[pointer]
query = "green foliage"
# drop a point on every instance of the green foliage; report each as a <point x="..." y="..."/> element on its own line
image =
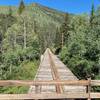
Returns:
<point x="27" y="70"/>
<point x="82" y="52"/>
<point x="64" y="30"/>
<point x="14" y="90"/>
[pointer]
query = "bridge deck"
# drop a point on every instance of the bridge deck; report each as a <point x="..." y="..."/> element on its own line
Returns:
<point x="51" y="68"/>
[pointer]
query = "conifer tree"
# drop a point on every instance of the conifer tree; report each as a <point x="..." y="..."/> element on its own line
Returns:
<point x="21" y="7"/>
<point x="64" y="29"/>
<point x="58" y="41"/>
<point x="92" y="15"/>
<point x="10" y="11"/>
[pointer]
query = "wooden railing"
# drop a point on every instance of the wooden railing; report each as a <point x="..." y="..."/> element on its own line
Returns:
<point x="88" y="95"/>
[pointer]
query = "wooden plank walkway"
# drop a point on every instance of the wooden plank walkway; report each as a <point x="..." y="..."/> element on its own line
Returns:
<point x="51" y="68"/>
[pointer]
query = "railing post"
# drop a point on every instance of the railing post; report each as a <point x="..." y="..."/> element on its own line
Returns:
<point x="37" y="89"/>
<point x="89" y="89"/>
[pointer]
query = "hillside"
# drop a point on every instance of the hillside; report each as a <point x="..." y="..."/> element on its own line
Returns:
<point x="42" y="14"/>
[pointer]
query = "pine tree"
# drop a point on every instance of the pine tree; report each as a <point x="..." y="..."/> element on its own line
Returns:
<point x="21" y="7"/>
<point x="10" y="11"/>
<point x="92" y="15"/>
<point x="58" y="41"/>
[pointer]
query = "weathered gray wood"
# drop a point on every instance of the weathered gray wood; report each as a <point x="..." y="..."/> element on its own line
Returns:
<point x="40" y="96"/>
<point x="42" y="82"/>
<point x="95" y="95"/>
<point x="48" y="96"/>
<point x="95" y="82"/>
<point x="50" y="67"/>
<point x="89" y="89"/>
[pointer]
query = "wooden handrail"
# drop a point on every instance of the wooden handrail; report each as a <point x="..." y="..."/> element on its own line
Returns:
<point x="55" y="73"/>
<point x="87" y="95"/>
<point x="28" y="83"/>
<point x="95" y="82"/>
<point x="31" y="82"/>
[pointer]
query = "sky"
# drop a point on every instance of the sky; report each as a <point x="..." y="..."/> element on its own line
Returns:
<point x="71" y="6"/>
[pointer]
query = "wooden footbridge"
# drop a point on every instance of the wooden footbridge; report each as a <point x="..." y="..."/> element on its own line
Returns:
<point x="53" y="81"/>
<point x="52" y="69"/>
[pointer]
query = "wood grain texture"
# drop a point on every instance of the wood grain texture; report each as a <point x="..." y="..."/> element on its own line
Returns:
<point x="40" y="96"/>
<point x="49" y="82"/>
<point x="51" y="68"/>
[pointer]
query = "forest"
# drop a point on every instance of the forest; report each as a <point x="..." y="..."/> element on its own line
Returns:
<point x="27" y="30"/>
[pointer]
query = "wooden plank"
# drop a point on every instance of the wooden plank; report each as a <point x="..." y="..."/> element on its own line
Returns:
<point x="89" y="89"/>
<point x="51" y="82"/>
<point x="15" y="82"/>
<point x="55" y="74"/>
<point x="47" y="96"/>
<point x="95" y="82"/>
<point x="42" y="96"/>
<point x="95" y="95"/>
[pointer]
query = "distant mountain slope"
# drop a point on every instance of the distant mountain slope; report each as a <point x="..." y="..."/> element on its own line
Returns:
<point x="41" y="14"/>
<point x="5" y="9"/>
<point x="44" y="14"/>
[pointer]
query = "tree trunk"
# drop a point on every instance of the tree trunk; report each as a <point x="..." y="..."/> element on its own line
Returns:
<point x="62" y="36"/>
<point x="10" y="70"/>
<point x="14" y="41"/>
<point x="1" y="43"/>
<point x="24" y="34"/>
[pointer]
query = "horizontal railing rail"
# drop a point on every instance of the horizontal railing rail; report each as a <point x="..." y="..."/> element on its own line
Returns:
<point x="28" y="82"/>
<point x="88" y="95"/>
<point x="51" y="82"/>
